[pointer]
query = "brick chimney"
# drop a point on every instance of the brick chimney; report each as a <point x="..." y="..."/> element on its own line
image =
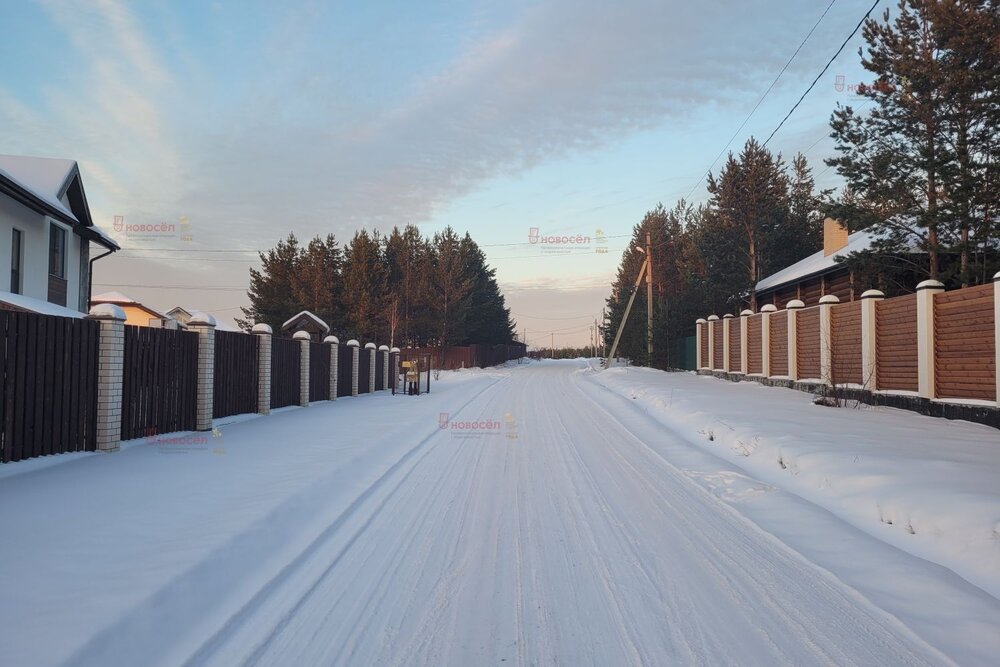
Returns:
<point x="834" y="236"/>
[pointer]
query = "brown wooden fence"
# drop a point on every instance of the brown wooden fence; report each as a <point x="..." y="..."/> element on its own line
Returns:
<point x="964" y="344"/>
<point x="735" y="340"/>
<point x="807" y="353"/>
<point x="159" y="381"/>
<point x="703" y="352"/>
<point x="319" y="372"/>
<point x="285" y="372"/>
<point x="364" y="369"/>
<point x="234" y="378"/>
<point x="379" y="370"/>
<point x="755" y="360"/>
<point x="453" y="357"/>
<point x="846" y="332"/>
<point x="345" y="370"/>
<point x="896" y="343"/>
<point x="779" y="343"/>
<point x="717" y="344"/>
<point x="48" y="385"/>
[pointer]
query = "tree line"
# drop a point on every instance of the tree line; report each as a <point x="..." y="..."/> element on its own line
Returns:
<point x="402" y="288"/>
<point x="920" y="170"/>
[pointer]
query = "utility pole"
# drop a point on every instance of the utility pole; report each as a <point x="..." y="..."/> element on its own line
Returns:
<point x="628" y="309"/>
<point x="649" y="301"/>
<point x="553" y="345"/>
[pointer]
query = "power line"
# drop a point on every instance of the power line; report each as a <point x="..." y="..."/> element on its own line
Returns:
<point x="823" y="71"/>
<point x="536" y="317"/>
<point x="178" y="287"/>
<point x="761" y="100"/>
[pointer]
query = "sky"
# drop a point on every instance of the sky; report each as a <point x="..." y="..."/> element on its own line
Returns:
<point x="229" y="124"/>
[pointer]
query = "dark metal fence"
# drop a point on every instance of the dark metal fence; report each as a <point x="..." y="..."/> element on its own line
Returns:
<point x="48" y="385"/>
<point x="319" y="372"/>
<point x="379" y="370"/>
<point x="452" y="357"/>
<point x="159" y="382"/>
<point x="364" y="367"/>
<point x="285" y="354"/>
<point x="345" y="367"/>
<point x="235" y="376"/>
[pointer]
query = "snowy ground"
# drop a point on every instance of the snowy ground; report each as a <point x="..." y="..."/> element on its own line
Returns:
<point x="563" y="516"/>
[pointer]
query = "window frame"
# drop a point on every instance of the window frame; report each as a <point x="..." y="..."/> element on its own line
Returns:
<point x="64" y="235"/>
<point x="17" y="261"/>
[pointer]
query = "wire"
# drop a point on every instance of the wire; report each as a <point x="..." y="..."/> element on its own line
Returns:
<point x="766" y="92"/>
<point x="180" y="287"/>
<point x="536" y="317"/>
<point x="823" y="71"/>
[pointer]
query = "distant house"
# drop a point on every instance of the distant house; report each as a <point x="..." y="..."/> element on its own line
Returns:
<point x="136" y="313"/>
<point x="45" y="235"/>
<point x="182" y="315"/>
<point x="306" y="321"/>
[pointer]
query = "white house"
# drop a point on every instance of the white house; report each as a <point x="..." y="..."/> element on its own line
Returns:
<point x="45" y="235"/>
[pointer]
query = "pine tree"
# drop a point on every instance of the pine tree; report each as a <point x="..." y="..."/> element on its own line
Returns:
<point x="364" y="289"/>
<point x="316" y="281"/>
<point x="272" y="300"/>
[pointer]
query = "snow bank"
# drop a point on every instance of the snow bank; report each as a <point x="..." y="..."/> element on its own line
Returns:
<point x="925" y="485"/>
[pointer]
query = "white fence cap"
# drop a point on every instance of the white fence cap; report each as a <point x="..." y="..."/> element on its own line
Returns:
<point x="261" y="328"/>
<point x="873" y="294"/>
<point x="353" y="343"/>
<point x="301" y="335"/>
<point x="768" y="308"/>
<point x="795" y="303"/>
<point x="394" y="350"/>
<point x="106" y="311"/>
<point x="829" y="298"/>
<point x="930" y="284"/>
<point x="203" y="319"/>
<point x="713" y="318"/>
<point x="369" y="346"/>
<point x="383" y="348"/>
<point x="331" y="339"/>
<point x="746" y="311"/>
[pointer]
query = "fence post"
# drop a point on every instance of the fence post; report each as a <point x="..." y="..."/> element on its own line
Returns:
<point x="765" y="338"/>
<point x="204" y="326"/>
<point x="394" y="355"/>
<point x="384" y="351"/>
<point x="869" y="339"/>
<point x="110" y="365"/>
<point x="263" y="333"/>
<point x="713" y="321"/>
<point x="792" y="308"/>
<point x="925" y="336"/>
<point x="354" y="345"/>
<point x="699" y="341"/>
<point x="333" y="342"/>
<point x="727" y="322"/>
<point x="826" y="337"/>
<point x="370" y="351"/>
<point x="744" y="337"/>
<point x="996" y="333"/>
<point x="304" y="339"/>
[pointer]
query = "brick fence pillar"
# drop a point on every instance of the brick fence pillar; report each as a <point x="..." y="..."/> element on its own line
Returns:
<point x="744" y="337"/>
<point x="869" y="339"/>
<point x="355" y="356"/>
<point x="713" y="322"/>
<point x="204" y="326"/>
<point x="826" y="337"/>
<point x="727" y="322"/>
<point x="370" y="350"/>
<point x="394" y="359"/>
<point x="925" y="336"/>
<point x="334" y="343"/>
<point x="384" y="351"/>
<point x="699" y="341"/>
<point x="996" y="332"/>
<point x="304" y="339"/>
<point x="792" y="309"/>
<point x="263" y="333"/>
<point x="110" y="365"/>
<point x="765" y="338"/>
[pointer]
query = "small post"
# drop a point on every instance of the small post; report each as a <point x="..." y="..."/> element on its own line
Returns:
<point x="384" y="351"/>
<point x="110" y="367"/>
<point x="793" y="307"/>
<point x="765" y="338"/>
<point x="333" y="342"/>
<point x="394" y="358"/>
<point x="699" y="341"/>
<point x="204" y="326"/>
<point x="713" y="321"/>
<point x="727" y="321"/>
<point x="925" y="336"/>
<point x="869" y="339"/>
<point x="355" y="357"/>
<point x="263" y="333"/>
<point x="370" y="350"/>
<point x="304" y="338"/>
<point x="826" y="337"/>
<point x="744" y="337"/>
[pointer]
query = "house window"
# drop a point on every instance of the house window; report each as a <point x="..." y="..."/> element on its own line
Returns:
<point x="57" y="251"/>
<point x="16" y="261"/>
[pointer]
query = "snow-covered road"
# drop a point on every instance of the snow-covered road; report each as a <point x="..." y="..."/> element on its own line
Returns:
<point x="537" y="527"/>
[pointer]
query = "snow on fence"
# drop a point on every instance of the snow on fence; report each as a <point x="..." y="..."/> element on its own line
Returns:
<point x="48" y="385"/>
<point x="933" y="344"/>
<point x="159" y="381"/>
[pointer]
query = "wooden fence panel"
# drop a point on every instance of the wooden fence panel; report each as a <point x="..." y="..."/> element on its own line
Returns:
<point x="703" y="350"/>
<point x="896" y="343"/>
<point x="345" y="370"/>
<point x="755" y="359"/>
<point x="285" y="372"/>
<point x="964" y="344"/>
<point x="364" y="366"/>
<point x="734" y="344"/>
<point x="319" y="372"/>
<point x="717" y="345"/>
<point x="379" y="370"/>
<point x="807" y="352"/>
<point x="160" y="384"/>
<point x="48" y="385"/>
<point x="234" y="378"/>
<point x="846" y="354"/>
<point x="779" y="344"/>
